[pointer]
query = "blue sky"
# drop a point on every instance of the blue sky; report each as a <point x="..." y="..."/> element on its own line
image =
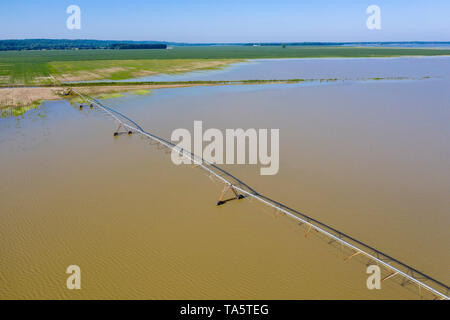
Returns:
<point x="227" y="20"/>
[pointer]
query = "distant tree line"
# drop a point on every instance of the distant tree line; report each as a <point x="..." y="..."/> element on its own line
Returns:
<point x="66" y="44"/>
<point x="56" y="44"/>
<point x="137" y="46"/>
<point x="284" y="44"/>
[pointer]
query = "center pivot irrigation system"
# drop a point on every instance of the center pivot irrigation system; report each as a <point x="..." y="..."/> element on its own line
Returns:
<point x="404" y="275"/>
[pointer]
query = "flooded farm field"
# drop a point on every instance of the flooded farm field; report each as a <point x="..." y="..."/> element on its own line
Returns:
<point x="370" y="158"/>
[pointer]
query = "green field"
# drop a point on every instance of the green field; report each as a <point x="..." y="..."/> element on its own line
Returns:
<point x="35" y="67"/>
<point x="126" y="69"/>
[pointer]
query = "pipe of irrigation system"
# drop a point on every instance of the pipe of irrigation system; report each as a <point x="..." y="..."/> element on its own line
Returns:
<point x="357" y="246"/>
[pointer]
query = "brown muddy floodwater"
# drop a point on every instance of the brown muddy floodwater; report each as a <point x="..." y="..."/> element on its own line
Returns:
<point x="369" y="158"/>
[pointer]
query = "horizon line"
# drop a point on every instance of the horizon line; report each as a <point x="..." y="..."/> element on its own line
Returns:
<point x="236" y="43"/>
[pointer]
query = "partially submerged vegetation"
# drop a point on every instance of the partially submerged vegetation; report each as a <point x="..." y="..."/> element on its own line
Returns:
<point x="42" y="67"/>
<point x="18" y="111"/>
<point x="23" y="97"/>
<point x="44" y="70"/>
<point x="104" y="93"/>
<point x="111" y="95"/>
<point x="141" y="92"/>
<point x="126" y="69"/>
<point x="168" y="84"/>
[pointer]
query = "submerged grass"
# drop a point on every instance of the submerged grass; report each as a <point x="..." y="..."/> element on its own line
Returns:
<point x="104" y="96"/>
<point x="141" y="92"/>
<point x="75" y="99"/>
<point x="15" y="112"/>
<point x="109" y="90"/>
<point x="177" y="83"/>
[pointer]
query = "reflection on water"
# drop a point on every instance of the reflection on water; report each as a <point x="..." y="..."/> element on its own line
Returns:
<point x="370" y="159"/>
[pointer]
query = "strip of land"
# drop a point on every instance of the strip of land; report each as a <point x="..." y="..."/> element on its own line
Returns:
<point x="21" y="97"/>
<point x="16" y="97"/>
<point x="25" y="96"/>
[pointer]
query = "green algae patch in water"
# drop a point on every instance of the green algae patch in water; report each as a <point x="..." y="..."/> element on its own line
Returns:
<point x="105" y="96"/>
<point x="15" y="112"/>
<point x="141" y="92"/>
<point x="76" y="100"/>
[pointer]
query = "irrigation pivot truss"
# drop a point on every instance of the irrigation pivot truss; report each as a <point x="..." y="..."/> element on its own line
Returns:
<point x="393" y="270"/>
